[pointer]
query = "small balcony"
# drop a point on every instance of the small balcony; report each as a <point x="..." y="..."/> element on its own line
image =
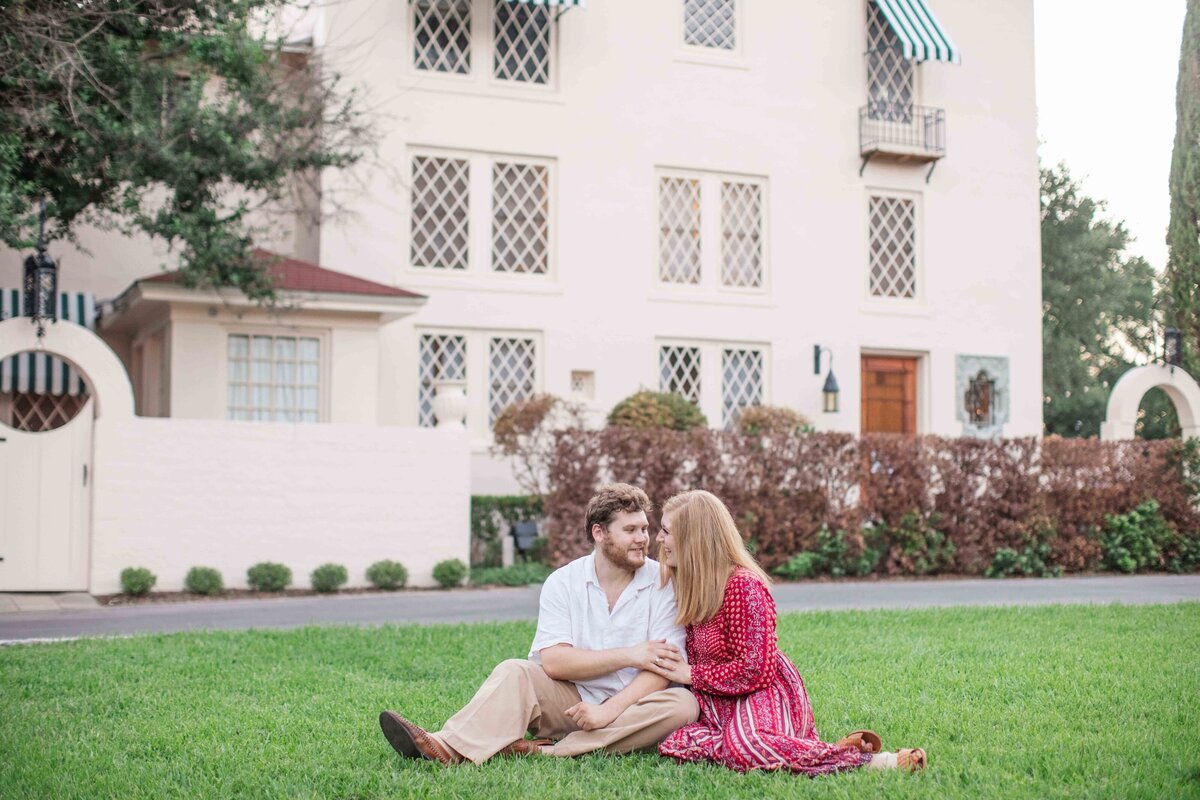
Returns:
<point x="901" y="132"/>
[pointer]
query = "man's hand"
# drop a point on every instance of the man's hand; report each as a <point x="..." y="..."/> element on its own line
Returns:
<point x="654" y="654"/>
<point x="590" y="717"/>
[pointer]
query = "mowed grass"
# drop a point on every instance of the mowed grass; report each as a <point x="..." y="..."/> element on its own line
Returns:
<point x="1039" y="702"/>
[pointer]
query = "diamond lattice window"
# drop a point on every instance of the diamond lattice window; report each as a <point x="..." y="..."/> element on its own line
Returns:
<point x="710" y="23"/>
<point x="442" y="35"/>
<point x="440" y="212"/>
<point x="741" y="234"/>
<point x="679" y="230"/>
<point x="522" y="36"/>
<point x="893" y="235"/>
<point x="679" y="371"/>
<point x="741" y="383"/>
<point x="274" y="378"/>
<point x="443" y="357"/>
<point x="890" y="75"/>
<point x="511" y="373"/>
<point x="36" y="412"/>
<point x="520" y="218"/>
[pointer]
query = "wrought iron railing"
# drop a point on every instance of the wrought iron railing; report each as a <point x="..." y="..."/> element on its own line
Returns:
<point x="901" y="127"/>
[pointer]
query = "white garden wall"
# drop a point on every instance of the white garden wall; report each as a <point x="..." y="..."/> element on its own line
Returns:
<point x="171" y="494"/>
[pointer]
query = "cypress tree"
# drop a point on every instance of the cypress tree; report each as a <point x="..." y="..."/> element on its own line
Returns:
<point x="1183" y="233"/>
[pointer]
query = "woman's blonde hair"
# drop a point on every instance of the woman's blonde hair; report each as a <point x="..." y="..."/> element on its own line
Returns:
<point x="708" y="548"/>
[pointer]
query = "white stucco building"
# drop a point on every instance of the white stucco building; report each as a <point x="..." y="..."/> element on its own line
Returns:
<point x="686" y="195"/>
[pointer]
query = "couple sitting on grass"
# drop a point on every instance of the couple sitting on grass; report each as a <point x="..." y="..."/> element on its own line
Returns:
<point x="632" y="657"/>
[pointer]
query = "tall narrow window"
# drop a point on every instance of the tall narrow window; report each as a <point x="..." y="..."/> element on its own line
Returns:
<point x="512" y="373"/>
<point x="442" y="35"/>
<point x="710" y="23"/>
<point x="741" y="234"/>
<point x="679" y="230"/>
<point x="520" y="218"/>
<point x="440" y="212"/>
<point x="893" y="246"/>
<point x="442" y="358"/>
<point x="274" y="378"/>
<point x="522" y="42"/>
<point x="741" y="383"/>
<point x="981" y="400"/>
<point x="679" y="371"/>
<point x="890" y="76"/>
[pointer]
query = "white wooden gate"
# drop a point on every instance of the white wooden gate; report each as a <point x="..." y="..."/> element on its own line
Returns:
<point x="45" y="506"/>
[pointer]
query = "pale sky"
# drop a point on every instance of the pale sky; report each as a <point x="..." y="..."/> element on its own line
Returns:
<point x="1106" y="72"/>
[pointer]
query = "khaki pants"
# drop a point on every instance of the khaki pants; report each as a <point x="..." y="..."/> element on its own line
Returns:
<point x="519" y="696"/>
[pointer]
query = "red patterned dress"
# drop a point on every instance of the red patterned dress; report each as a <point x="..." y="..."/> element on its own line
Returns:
<point x="754" y="711"/>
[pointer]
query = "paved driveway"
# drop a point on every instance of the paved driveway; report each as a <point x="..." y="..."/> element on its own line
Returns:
<point x="479" y="605"/>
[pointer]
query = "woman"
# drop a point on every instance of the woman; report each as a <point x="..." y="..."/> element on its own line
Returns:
<point x="754" y="711"/>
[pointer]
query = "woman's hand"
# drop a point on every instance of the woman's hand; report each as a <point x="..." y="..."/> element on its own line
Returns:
<point x="643" y="656"/>
<point x="676" y="671"/>
<point x="590" y="717"/>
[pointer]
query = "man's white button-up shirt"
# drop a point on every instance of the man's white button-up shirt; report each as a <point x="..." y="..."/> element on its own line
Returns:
<point x="574" y="610"/>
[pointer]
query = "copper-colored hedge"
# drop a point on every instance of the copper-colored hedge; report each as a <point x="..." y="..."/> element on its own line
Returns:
<point x="783" y="489"/>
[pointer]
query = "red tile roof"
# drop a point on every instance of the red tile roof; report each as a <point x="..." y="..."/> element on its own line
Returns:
<point x="293" y="275"/>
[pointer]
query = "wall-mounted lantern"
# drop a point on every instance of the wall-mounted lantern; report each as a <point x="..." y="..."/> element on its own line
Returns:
<point x="829" y="392"/>
<point x="41" y="282"/>
<point x="1173" y="346"/>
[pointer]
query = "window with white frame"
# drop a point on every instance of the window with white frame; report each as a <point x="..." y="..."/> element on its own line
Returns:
<point x="441" y="35"/>
<point x="458" y="224"/>
<point x="893" y="247"/>
<point x="274" y="378"/>
<point x="697" y="210"/>
<point x="520" y="217"/>
<point x="512" y="372"/>
<point x="710" y="23"/>
<point x="442" y="357"/>
<point x="891" y="78"/>
<point x="440" y="213"/>
<point x="679" y="371"/>
<point x="522" y="43"/>
<point x="742" y="382"/>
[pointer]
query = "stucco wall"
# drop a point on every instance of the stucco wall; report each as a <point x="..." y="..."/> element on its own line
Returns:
<point x="171" y="494"/>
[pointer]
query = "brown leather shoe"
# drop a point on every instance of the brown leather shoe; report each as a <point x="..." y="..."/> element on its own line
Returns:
<point x="864" y="741"/>
<point x="524" y="747"/>
<point x="412" y="741"/>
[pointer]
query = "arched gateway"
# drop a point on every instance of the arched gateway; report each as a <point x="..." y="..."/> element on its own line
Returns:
<point x="45" y="485"/>
<point x="1129" y="390"/>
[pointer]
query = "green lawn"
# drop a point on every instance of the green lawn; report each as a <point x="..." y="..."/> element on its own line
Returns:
<point x="1039" y="703"/>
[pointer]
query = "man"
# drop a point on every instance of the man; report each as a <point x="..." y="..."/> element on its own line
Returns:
<point x="603" y="622"/>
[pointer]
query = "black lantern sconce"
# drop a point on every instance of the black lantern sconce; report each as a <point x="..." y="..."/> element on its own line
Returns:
<point x="1173" y="346"/>
<point x="829" y="392"/>
<point x="41" y="282"/>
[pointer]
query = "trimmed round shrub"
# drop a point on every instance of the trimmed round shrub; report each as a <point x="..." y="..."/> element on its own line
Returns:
<point x="647" y="409"/>
<point x="329" y="577"/>
<point x="267" y="576"/>
<point x="450" y="572"/>
<point x="387" y="575"/>
<point x="137" y="581"/>
<point x="772" y="421"/>
<point x="203" y="580"/>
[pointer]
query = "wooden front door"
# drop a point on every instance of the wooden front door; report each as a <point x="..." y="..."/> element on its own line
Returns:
<point x="889" y="395"/>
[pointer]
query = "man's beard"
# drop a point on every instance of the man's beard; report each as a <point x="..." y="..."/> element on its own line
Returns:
<point x="621" y="557"/>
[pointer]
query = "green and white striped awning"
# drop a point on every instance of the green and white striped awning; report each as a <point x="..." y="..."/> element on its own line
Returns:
<point x="39" y="373"/>
<point x="920" y="33"/>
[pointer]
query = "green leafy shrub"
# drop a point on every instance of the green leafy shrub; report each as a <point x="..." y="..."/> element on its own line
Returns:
<point x="799" y="566"/>
<point x="772" y="421"/>
<point x="387" y="575"/>
<point x="917" y="547"/>
<point x="203" y="580"/>
<point x="329" y="577"/>
<point x="1032" y="561"/>
<point x="450" y="572"/>
<point x="514" y="575"/>
<point x="137" y="581"/>
<point x="1135" y="541"/>
<point x="267" y="576"/>
<point x="647" y="409"/>
<point x="840" y="553"/>
<point x="1186" y="557"/>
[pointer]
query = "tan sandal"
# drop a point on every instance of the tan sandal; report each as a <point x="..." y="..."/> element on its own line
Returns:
<point x="911" y="759"/>
<point x="864" y="741"/>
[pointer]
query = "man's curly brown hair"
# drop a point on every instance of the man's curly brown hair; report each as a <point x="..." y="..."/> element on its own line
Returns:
<point x="611" y="500"/>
